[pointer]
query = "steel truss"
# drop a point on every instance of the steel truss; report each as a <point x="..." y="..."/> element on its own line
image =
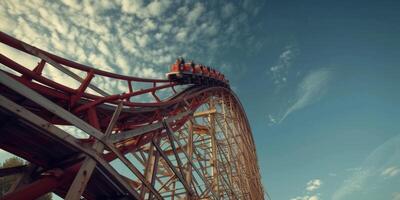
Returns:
<point x="196" y="143"/>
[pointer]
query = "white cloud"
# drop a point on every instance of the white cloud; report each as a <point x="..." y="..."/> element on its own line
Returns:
<point x="314" y="197"/>
<point x="396" y="196"/>
<point x="391" y="171"/>
<point x="22" y="58"/>
<point x="311" y="89"/>
<point x="194" y="15"/>
<point x="131" y="6"/>
<point x="379" y="161"/>
<point x="166" y="28"/>
<point x="100" y="61"/>
<point x="352" y="184"/>
<point x="280" y="71"/>
<point x="313" y="185"/>
<point x="182" y="35"/>
<point x="354" y="169"/>
<point x="153" y="9"/>
<point x="227" y="10"/>
<point x="157" y="8"/>
<point x="147" y="36"/>
<point x="103" y="48"/>
<point x="73" y="4"/>
<point x="149" y="25"/>
<point x="122" y="62"/>
<point x="142" y="40"/>
<point x="212" y="30"/>
<point x="4" y="155"/>
<point x="272" y="119"/>
<point x="146" y="72"/>
<point x="332" y="174"/>
<point x="8" y="24"/>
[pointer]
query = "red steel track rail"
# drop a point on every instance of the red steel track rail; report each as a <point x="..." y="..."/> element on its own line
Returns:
<point x="155" y="140"/>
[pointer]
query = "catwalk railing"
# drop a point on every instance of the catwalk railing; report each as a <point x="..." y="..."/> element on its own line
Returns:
<point x="92" y="134"/>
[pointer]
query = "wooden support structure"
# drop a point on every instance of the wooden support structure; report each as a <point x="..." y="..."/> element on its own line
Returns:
<point x="194" y="144"/>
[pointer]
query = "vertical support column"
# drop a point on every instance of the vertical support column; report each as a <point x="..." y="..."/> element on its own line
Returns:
<point x="173" y="190"/>
<point x="155" y="170"/>
<point x="82" y="177"/>
<point x="150" y="171"/>
<point x="227" y="138"/>
<point x="189" y="150"/>
<point x="180" y="174"/>
<point x="214" y="150"/>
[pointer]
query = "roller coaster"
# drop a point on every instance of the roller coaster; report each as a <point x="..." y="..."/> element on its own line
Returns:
<point x="185" y="137"/>
<point x="187" y="73"/>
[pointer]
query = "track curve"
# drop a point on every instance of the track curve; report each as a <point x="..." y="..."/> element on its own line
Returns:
<point x="158" y="140"/>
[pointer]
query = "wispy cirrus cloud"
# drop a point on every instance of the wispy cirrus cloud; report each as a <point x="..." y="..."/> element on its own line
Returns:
<point x="379" y="166"/>
<point x="306" y="197"/>
<point x="396" y="196"/>
<point x="309" y="90"/>
<point x="391" y="171"/>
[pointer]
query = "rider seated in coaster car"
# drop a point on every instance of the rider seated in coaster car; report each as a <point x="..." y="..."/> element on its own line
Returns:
<point x="222" y="77"/>
<point x="213" y="73"/>
<point x="198" y="69"/>
<point x="217" y="75"/>
<point x="187" y="68"/>
<point x="206" y="71"/>
<point x="176" y="65"/>
<point x="192" y="65"/>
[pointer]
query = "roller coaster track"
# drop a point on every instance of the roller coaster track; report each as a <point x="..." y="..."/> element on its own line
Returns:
<point x="149" y="139"/>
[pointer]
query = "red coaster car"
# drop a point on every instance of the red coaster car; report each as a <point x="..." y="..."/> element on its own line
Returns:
<point x="198" y="74"/>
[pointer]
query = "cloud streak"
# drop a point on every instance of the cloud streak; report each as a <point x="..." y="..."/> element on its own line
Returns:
<point x="380" y="165"/>
<point x="391" y="171"/>
<point x="310" y="90"/>
<point x="396" y="196"/>
<point x="313" y="197"/>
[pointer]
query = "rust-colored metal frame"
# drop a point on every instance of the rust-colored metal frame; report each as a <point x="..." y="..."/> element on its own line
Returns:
<point x="195" y="144"/>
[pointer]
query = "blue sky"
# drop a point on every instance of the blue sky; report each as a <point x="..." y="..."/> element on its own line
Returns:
<point x="319" y="79"/>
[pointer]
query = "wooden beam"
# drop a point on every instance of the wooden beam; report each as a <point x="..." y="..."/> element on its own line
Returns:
<point x="83" y="176"/>
<point x="179" y="162"/>
<point x="145" y="129"/>
<point x="12" y="170"/>
<point x="205" y="113"/>
<point x="190" y="161"/>
<point x="66" y="138"/>
<point x="59" y="111"/>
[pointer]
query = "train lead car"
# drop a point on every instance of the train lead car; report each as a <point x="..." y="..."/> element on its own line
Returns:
<point x="191" y="73"/>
